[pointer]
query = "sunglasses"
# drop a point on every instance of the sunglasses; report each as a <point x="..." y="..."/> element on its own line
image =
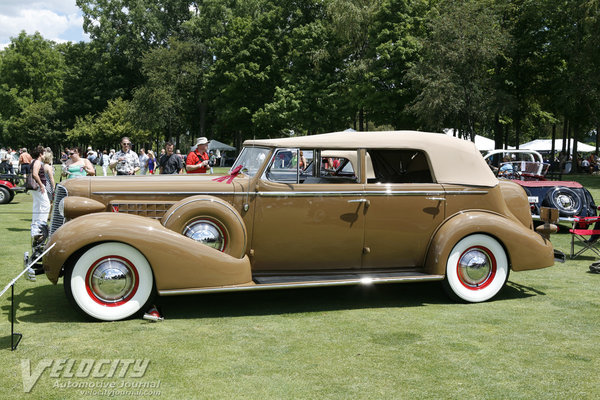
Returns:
<point x="126" y="144"/>
<point x="71" y="153"/>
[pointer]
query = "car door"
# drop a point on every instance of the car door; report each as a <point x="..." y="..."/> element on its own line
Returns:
<point x="305" y="221"/>
<point x="405" y="207"/>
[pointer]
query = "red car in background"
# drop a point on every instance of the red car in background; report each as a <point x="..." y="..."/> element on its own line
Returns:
<point x="10" y="184"/>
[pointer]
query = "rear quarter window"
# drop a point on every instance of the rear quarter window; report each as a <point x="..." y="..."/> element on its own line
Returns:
<point x="400" y="166"/>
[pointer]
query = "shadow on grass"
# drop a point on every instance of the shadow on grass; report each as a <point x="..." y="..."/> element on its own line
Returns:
<point x="305" y="300"/>
<point x="514" y="290"/>
<point x="5" y="342"/>
<point x="48" y="303"/>
<point x="17" y="229"/>
<point x="40" y="304"/>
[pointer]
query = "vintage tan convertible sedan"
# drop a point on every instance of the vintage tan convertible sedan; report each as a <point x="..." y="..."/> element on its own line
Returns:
<point x="334" y="209"/>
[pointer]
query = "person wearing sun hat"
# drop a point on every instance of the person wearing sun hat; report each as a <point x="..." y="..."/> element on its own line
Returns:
<point x="198" y="160"/>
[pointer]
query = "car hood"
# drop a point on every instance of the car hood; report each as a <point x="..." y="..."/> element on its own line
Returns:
<point x="158" y="187"/>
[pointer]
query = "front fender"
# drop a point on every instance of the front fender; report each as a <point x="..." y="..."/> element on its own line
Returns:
<point x="177" y="261"/>
<point x="525" y="248"/>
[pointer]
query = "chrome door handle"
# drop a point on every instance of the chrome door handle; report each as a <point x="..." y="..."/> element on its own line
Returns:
<point x="366" y="201"/>
<point x="436" y="198"/>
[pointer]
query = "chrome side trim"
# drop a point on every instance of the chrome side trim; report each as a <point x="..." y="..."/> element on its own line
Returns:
<point x="364" y="281"/>
<point x="166" y="193"/>
<point x="372" y="193"/>
<point x="304" y="194"/>
<point x="459" y="192"/>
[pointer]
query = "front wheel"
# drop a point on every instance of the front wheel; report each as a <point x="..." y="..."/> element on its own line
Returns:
<point x="5" y="195"/>
<point x="476" y="270"/>
<point x="109" y="282"/>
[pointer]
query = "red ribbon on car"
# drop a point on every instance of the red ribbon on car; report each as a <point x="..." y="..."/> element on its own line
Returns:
<point x="229" y="178"/>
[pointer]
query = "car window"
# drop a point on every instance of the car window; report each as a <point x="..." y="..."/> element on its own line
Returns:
<point x="284" y="166"/>
<point x="252" y="159"/>
<point x="400" y="166"/>
<point x="332" y="166"/>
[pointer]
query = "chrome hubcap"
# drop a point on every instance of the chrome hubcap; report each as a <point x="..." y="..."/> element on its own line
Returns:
<point x="475" y="267"/>
<point x="565" y="201"/>
<point x="206" y="232"/>
<point x="112" y="280"/>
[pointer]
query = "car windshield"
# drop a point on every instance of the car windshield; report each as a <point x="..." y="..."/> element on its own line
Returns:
<point x="252" y="158"/>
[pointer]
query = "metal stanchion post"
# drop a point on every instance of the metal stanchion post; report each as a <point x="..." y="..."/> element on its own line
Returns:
<point x="13" y="345"/>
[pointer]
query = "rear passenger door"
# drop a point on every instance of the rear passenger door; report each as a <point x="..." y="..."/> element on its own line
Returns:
<point x="405" y="206"/>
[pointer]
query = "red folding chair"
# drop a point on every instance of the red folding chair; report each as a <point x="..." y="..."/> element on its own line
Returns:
<point x="584" y="232"/>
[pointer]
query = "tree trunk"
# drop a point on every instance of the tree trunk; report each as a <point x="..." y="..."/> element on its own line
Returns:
<point x="575" y="165"/>
<point x="239" y="139"/>
<point x="553" y="149"/>
<point x="517" y="131"/>
<point x="597" y="139"/>
<point x="497" y="132"/>
<point x="565" y="135"/>
<point x="361" y="118"/>
<point x="569" y="130"/>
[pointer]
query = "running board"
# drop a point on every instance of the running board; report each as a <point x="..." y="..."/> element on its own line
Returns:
<point x="307" y="281"/>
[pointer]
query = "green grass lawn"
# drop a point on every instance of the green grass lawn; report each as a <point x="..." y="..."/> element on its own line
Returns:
<point x="538" y="339"/>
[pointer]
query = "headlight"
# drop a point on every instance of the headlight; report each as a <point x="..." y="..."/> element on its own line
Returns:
<point x="61" y="208"/>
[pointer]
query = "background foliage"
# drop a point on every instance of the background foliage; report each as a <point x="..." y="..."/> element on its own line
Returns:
<point x="235" y="69"/>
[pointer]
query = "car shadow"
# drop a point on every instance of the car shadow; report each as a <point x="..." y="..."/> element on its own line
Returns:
<point x="48" y="303"/>
<point x="306" y="300"/>
<point x="300" y="300"/>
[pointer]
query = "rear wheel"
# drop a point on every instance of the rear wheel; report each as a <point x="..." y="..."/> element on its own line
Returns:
<point x="477" y="269"/>
<point x="109" y="282"/>
<point x="5" y="195"/>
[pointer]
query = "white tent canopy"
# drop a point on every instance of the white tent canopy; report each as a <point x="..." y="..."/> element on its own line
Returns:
<point x="216" y="145"/>
<point x="546" y="145"/>
<point x="482" y="143"/>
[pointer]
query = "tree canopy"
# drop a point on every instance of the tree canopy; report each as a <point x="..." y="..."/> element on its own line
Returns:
<point x="236" y="69"/>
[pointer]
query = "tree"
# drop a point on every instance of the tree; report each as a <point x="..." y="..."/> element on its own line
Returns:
<point x="108" y="127"/>
<point x="125" y="29"/>
<point x="453" y="75"/>
<point x="172" y="102"/>
<point x="395" y="47"/>
<point x="31" y="90"/>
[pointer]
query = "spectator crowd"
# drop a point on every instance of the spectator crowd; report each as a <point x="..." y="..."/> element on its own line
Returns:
<point x="38" y="167"/>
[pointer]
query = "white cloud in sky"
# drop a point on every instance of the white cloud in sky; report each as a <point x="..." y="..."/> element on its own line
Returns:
<point x="57" y="20"/>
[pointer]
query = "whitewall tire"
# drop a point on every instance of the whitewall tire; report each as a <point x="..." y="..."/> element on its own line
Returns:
<point x="110" y="281"/>
<point x="477" y="269"/>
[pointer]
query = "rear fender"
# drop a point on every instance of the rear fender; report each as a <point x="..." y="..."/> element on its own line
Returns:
<point x="525" y="248"/>
<point x="177" y="261"/>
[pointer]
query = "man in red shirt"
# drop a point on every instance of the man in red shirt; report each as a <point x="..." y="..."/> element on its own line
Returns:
<point x="197" y="161"/>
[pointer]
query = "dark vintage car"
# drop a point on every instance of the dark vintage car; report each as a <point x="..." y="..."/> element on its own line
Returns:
<point x="527" y="168"/>
<point x="341" y="208"/>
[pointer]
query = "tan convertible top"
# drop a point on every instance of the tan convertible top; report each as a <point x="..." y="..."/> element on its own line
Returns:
<point x="454" y="161"/>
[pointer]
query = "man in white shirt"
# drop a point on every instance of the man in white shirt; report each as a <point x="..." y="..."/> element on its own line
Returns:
<point x="143" y="162"/>
<point x="125" y="161"/>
